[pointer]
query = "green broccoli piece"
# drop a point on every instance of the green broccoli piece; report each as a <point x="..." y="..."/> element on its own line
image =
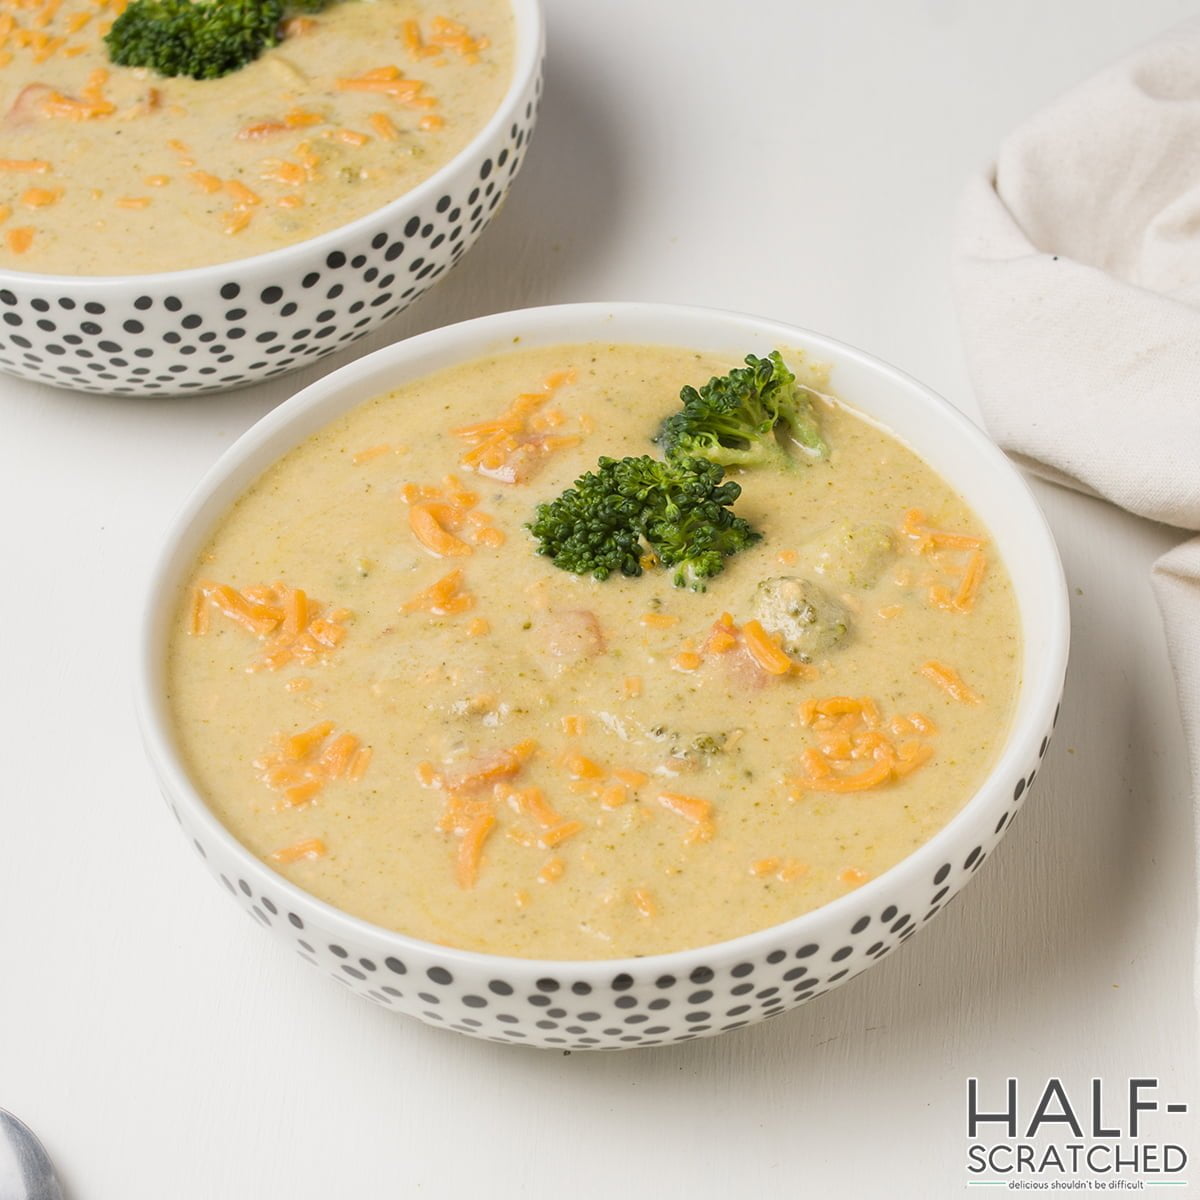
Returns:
<point x="205" y="39"/>
<point x="678" y="509"/>
<point x="736" y="419"/>
<point x="807" y="618"/>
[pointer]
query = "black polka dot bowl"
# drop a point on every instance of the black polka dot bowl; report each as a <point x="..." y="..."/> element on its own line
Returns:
<point x="209" y="329"/>
<point x="655" y="1000"/>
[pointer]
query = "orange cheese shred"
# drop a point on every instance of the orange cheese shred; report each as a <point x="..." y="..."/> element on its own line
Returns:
<point x="533" y="802"/>
<point x="510" y="448"/>
<point x="964" y="598"/>
<point x="335" y="759"/>
<point x="949" y="680"/>
<point x="634" y="779"/>
<point x="693" y="809"/>
<point x="205" y="182"/>
<point x="298" y="766"/>
<point x="501" y="764"/>
<point x="41" y="197"/>
<point x="301" y="745"/>
<point x="388" y="81"/>
<point x="582" y="767"/>
<point x="614" y="796"/>
<point x="359" y="763"/>
<point x="279" y="170"/>
<point x="438" y="513"/>
<point x="559" y="834"/>
<point x="765" y="650"/>
<point x="423" y="521"/>
<point x="552" y="870"/>
<point x="308" y="848"/>
<point x="852" y="731"/>
<point x="295" y="612"/>
<point x="915" y="526"/>
<point x="19" y="239"/>
<point x="241" y="194"/>
<point x="655" y="620"/>
<point x="444" y="598"/>
<point x="470" y="850"/>
<point x="383" y="126"/>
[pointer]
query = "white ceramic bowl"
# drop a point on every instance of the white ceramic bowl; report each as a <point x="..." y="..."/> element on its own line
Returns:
<point x="208" y="329"/>
<point x="671" y="997"/>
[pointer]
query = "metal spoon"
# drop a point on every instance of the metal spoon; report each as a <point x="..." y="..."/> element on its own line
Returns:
<point x="26" y="1172"/>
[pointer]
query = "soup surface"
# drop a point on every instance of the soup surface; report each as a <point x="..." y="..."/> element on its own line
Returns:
<point x="108" y="170"/>
<point x="386" y="693"/>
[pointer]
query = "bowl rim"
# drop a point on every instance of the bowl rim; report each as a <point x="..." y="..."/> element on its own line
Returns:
<point x="1036" y="708"/>
<point x="529" y="19"/>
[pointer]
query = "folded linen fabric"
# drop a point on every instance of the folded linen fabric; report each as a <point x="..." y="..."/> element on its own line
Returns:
<point x="1077" y="273"/>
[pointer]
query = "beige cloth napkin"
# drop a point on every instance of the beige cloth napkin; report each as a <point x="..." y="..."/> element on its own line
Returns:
<point x="1078" y="280"/>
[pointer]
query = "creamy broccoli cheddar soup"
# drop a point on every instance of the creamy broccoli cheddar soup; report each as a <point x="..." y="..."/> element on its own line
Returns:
<point x="110" y="170"/>
<point x="386" y="693"/>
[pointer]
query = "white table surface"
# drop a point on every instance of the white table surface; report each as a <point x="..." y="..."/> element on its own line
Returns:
<point x="793" y="158"/>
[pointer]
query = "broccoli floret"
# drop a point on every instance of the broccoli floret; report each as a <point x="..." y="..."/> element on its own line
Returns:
<point x="705" y="746"/>
<point x="736" y="419"/>
<point x="204" y="39"/>
<point x="678" y="510"/>
<point x="696" y="749"/>
<point x="852" y="555"/>
<point x="808" y="619"/>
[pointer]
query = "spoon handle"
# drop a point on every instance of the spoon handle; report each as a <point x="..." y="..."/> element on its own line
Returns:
<point x="26" y="1172"/>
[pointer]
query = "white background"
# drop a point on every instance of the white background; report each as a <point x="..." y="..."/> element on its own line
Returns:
<point x="793" y="158"/>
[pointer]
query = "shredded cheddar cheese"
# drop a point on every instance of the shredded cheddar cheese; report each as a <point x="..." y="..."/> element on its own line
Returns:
<point x="299" y="765"/>
<point x="692" y="809"/>
<point x="438" y="513"/>
<point x="552" y="870"/>
<point x="446" y="597"/>
<point x="295" y="628"/>
<point x="945" y="551"/>
<point x="19" y="239"/>
<point x="41" y="197"/>
<point x="511" y="448"/>
<point x="308" y="848"/>
<point x="390" y="81"/>
<point x="949" y="680"/>
<point x="444" y="34"/>
<point x="856" y="749"/>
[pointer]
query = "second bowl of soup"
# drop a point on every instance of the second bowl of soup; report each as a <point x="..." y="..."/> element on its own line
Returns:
<point x="165" y="235"/>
